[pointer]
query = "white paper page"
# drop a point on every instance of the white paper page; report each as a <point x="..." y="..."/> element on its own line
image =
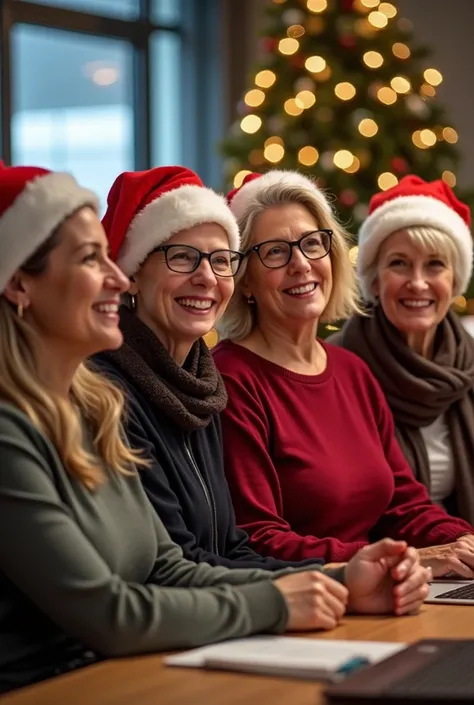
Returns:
<point x="302" y="653"/>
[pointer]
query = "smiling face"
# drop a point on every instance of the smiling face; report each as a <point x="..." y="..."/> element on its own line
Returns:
<point x="73" y="303"/>
<point x="298" y="291"/>
<point x="414" y="285"/>
<point x="182" y="307"/>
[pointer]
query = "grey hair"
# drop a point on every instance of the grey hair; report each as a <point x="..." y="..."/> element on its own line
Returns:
<point x="240" y="318"/>
<point x="424" y="238"/>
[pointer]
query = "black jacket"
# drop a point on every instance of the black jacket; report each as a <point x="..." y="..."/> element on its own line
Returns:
<point x="186" y="483"/>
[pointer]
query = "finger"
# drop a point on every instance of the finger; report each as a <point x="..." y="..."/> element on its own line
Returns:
<point x="413" y="606"/>
<point x="453" y="563"/>
<point x="414" y="581"/>
<point x="333" y="586"/>
<point x="408" y="561"/>
<point x="383" y="549"/>
<point x="331" y="604"/>
<point x="323" y="618"/>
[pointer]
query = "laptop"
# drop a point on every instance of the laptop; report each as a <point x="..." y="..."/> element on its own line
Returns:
<point x="428" y="672"/>
<point x="451" y="592"/>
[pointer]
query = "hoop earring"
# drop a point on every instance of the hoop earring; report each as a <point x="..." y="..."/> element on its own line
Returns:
<point x="250" y="300"/>
<point x="19" y="310"/>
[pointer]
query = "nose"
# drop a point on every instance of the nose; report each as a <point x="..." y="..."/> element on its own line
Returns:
<point x="116" y="279"/>
<point x="298" y="262"/>
<point x="204" y="274"/>
<point x="417" y="281"/>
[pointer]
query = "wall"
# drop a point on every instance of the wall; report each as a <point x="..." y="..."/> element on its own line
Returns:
<point x="444" y="25"/>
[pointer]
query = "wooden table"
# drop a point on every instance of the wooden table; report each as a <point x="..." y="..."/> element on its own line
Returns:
<point x="146" y="681"/>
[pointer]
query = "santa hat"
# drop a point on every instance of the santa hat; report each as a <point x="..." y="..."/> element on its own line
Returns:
<point x="414" y="202"/>
<point x="33" y="203"/>
<point x="243" y="200"/>
<point x="144" y="209"/>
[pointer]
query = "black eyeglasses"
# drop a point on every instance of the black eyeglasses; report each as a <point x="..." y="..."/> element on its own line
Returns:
<point x="277" y="253"/>
<point x="186" y="259"/>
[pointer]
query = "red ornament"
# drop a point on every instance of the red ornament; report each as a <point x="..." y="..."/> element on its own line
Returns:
<point x="348" y="41"/>
<point x="269" y="44"/>
<point x="399" y="165"/>
<point x="348" y="197"/>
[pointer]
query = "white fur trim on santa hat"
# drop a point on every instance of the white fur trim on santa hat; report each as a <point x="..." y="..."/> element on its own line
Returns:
<point x="34" y="215"/>
<point x="411" y="211"/>
<point x="176" y="210"/>
<point x="246" y="197"/>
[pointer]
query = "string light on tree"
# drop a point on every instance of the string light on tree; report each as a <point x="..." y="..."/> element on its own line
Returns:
<point x="368" y="127"/>
<point x="274" y="153"/>
<point x="355" y="166"/>
<point x="317" y="5"/>
<point x="433" y="77"/>
<point x="387" y="9"/>
<point x="400" y="84"/>
<point x="293" y="107"/>
<point x="254" y="97"/>
<point x="373" y="59"/>
<point x="295" y="31"/>
<point x="450" y="135"/>
<point x="251" y="123"/>
<point x="344" y="90"/>
<point x="239" y="177"/>
<point x="306" y="98"/>
<point x="387" y="95"/>
<point x="427" y="91"/>
<point x="315" y="64"/>
<point x="288" y="46"/>
<point x="387" y="180"/>
<point x="343" y="158"/>
<point x="449" y="178"/>
<point x="401" y="51"/>
<point x="308" y="156"/>
<point x="265" y="79"/>
<point x="370" y="4"/>
<point x="378" y="19"/>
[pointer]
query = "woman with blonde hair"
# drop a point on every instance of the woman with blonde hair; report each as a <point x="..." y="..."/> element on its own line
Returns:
<point x="87" y="569"/>
<point x="415" y="256"/>
<point x="310" y="452"/>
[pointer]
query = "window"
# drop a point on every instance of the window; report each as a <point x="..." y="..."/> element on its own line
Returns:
<point x="97" y="87"/>
<point x="72" y="104"/>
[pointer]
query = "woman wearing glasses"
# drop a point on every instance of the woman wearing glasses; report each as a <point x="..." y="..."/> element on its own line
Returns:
<point x="179" y="244"/>
<point x="310" y="453"/>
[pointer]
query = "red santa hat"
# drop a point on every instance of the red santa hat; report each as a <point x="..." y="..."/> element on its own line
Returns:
<point x="33" y="203"/>
<point x="243" y="200"/>
<point x="414" y="202"/>
<point x="144" y="209"/>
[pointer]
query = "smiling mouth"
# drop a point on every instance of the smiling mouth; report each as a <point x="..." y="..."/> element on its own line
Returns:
<point x="416" y="304"/>
<point x="300" y="291"/>
<point x="195" y="305"/>
<point x="107" y="309"/>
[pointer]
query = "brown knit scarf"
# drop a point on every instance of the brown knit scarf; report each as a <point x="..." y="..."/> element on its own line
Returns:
<point x="189" y="395"/>
<point x="418" y="391"/>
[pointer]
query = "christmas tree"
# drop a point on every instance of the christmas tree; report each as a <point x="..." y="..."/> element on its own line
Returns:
<point x="344" y="94"/>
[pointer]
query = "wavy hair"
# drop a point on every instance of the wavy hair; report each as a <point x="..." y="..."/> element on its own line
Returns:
<point x="96" y="401"/>
<point x="239" y="318"/>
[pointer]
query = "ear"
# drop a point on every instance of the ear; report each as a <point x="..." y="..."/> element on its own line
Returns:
<point x="16" y="292"/>
<point x="375" y="289"/>
<point x="133" y="289"/>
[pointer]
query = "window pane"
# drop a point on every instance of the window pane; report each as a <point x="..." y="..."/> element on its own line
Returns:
<point x="72" y="104"/>
<point x="124" y="9"/>
<point x="166" y="98"/>
<point x="166" y="11"/>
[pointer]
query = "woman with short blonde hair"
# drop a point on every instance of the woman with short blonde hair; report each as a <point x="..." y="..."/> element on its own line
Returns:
<point x="415" y="256"/>
<point x="310" y="452"/>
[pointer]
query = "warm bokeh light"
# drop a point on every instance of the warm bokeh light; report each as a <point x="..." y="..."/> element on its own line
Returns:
<point x="416" y="139"/>
<point x="449" y="178"/>
<point x="355" y="166"/>
<point x="308" y="156"/>
<point x="450" y="135"/>
<point x="353" y="254"/>
<point x="306" y="98"/>
<point x="265" y="78"/>
<point x="460" y="302"/>
<point x="212" y="338"/>
<point x="433" y="77"/>
<point x="295" y="31"/>
<point x="387" y="180"/>
<point x="373" y="59"/>
<point x="368" y="127"/>
<point x="239" y="177"/>
<point x="401" y="51"/>
<point x="315" y="64"/>
<point x="250" y="124"/>
<point x="256" y="157"/>
<point x="324" y="75"/>
<point x="377" y="19"/>
<point x="400" y="84"/>
<point x="254" y="98"/>
<point x="274" y="153"/>
<point x="274" y="139"/>
<point x="293" y="107"/>
<point x="316" y="5"/>
<point x="288" y="46"/>
<point x="343" y="158"/>
<point x="370" y="3"/>
<point x="386" y="95"/>
<point x="344" y="90"/>
<point x="387" y="9"/>
<point x="428" y="137"/>
<point x="427" y="91"/>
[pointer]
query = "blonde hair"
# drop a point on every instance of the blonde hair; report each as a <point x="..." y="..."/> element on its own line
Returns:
<point x="99" y="402"/>
<point x="239" y="318"/>
<point x="426" y="239"/>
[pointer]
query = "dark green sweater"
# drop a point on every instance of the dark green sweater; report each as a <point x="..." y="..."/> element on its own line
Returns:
<point x="96" y="570"/>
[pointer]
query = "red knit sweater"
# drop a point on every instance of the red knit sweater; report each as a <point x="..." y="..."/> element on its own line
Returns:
<point x="313" y="464"/>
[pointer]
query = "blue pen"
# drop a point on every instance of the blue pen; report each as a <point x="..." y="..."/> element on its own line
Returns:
<point x="349" y="666"/>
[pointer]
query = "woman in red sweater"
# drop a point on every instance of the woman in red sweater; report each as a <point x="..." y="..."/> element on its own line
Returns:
<point x="310" y="451"/>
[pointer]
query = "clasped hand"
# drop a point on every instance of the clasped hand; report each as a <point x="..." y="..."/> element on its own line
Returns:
<point x="457" y="557"/>
<point x="384" y="577"/>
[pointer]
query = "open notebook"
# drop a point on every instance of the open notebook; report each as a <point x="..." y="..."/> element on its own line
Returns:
<point x="296" y="657"/>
